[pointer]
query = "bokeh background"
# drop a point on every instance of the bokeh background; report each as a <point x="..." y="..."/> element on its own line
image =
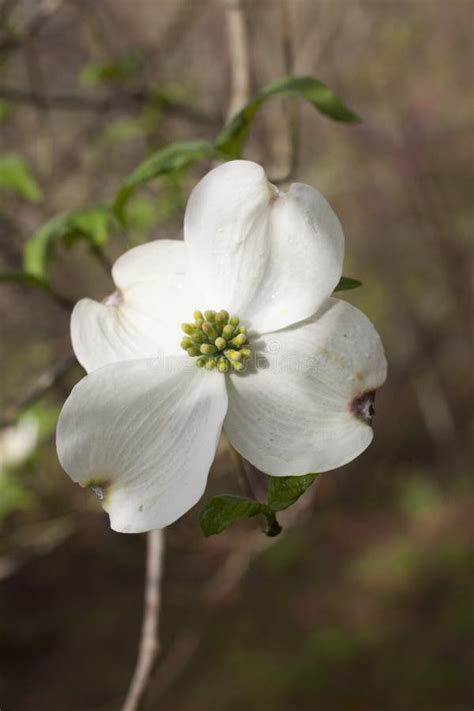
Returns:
<point x="366" y="602"/>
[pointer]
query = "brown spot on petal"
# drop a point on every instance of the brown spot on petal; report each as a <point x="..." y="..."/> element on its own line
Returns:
<point x="98" y="486"/>
<point x="363" y="407"/>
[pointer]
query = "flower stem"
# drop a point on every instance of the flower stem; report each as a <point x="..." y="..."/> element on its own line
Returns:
<point x="241" y="472"/>
<point x="271" y="527"/>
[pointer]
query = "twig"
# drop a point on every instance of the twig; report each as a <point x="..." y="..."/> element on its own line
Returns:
<point x="239" y="56"/>
<point x="44" y="11"/>
<point x="292" y="108"/>
<point x="94" y="104"/>
<point x="149" y="644"/>
<point x="45" y="382"/>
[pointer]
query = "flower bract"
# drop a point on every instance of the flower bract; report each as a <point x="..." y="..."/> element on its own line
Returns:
<point x="286" y="370"/>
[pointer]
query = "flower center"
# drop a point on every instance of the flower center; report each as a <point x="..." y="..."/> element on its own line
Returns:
<point x="216" y="341"/>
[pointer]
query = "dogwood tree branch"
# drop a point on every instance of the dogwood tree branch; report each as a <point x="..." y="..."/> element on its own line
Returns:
<point x="40" y="387"/>
<point x="98" y="104"/>
<point x="149" y="640"/>
<point x="239" y="56"/>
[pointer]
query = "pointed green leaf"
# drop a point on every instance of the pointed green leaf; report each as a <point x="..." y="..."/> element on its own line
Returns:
<point x="15" y="175"/>
<point x="231" y="140"/>
<point x="167" y="160"/>
<point x="94" y="225"/>
<point x="346" y="283"/>
<point x="283" y="491"/>
<point x="221" y="511"/>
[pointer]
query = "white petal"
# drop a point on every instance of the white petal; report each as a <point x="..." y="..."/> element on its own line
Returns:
<point x="271" y="257"/>
<point x="145" y="432"/>
<point x="142" y="319"/>
<point x="295" y="412"/>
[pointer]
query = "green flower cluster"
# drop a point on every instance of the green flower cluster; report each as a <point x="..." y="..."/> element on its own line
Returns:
<point x="216" y="340"/>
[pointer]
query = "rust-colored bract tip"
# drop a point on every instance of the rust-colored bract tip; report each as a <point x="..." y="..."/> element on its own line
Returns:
<point x="363" y="407"/>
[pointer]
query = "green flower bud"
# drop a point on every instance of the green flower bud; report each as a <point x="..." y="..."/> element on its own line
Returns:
<point x="209" y="337"/>
<point x="198" y="338"/>
<point x="239" y="340"/>
<point x="209" y="330"/>
<point x="222" y="316"/>
<point x="223" y="365"/>
<point x="228" y="330"/>
<point x="233" y="355"/>
<point x="208" y="349"/>
<point x="188" y="328"/>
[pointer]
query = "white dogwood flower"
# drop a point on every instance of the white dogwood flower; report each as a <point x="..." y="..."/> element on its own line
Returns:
<point x="287" y="371"/>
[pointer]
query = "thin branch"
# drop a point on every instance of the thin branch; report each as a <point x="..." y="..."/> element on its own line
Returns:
<point x="43" y="385"/>
<point x="149" y="644"/>
<point x="45" y="10"/>
<point x="292" y="108"/>
<point x="94" y="104"/>
<point x="239" y="56"/>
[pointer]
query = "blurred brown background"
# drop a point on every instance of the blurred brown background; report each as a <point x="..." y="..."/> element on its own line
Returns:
<point x="366" y="603"/>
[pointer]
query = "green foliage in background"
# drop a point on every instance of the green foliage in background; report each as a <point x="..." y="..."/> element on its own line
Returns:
<point x="232" y="139"/>
<point x="111" y="73"/>
<point x="230" y="142"/>
<point x="16" y="176"/>
<point x="93" y="225"/>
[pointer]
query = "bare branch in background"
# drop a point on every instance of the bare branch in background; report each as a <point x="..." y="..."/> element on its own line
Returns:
<point x="149" y="644"/>
<point x="45" y="9"/>
<point x="43" y="385"/>
<point x="93" y="104"/>
<point x="291" y="132"/>
<point x="239" y="56"/>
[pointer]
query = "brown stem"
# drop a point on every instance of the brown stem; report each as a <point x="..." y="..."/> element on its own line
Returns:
<point x="149" y="640"/>
<point x="239" y="56"/>
<point x="239" y="468"/>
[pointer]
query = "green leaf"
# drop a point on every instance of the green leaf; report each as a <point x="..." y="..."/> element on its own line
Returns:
<point x="346" y="283"/>
<point x="221" y="511"/>
<point x="37" y="282"/>
<point x="167" y="160"/>
<point x="15" y="175"/>
<point x="94" y="225"/>
<point x="283" y="491"/>
<point x="23" y="278"/>
<point x="116" y="72"/>
<point x="231" y="140"/>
